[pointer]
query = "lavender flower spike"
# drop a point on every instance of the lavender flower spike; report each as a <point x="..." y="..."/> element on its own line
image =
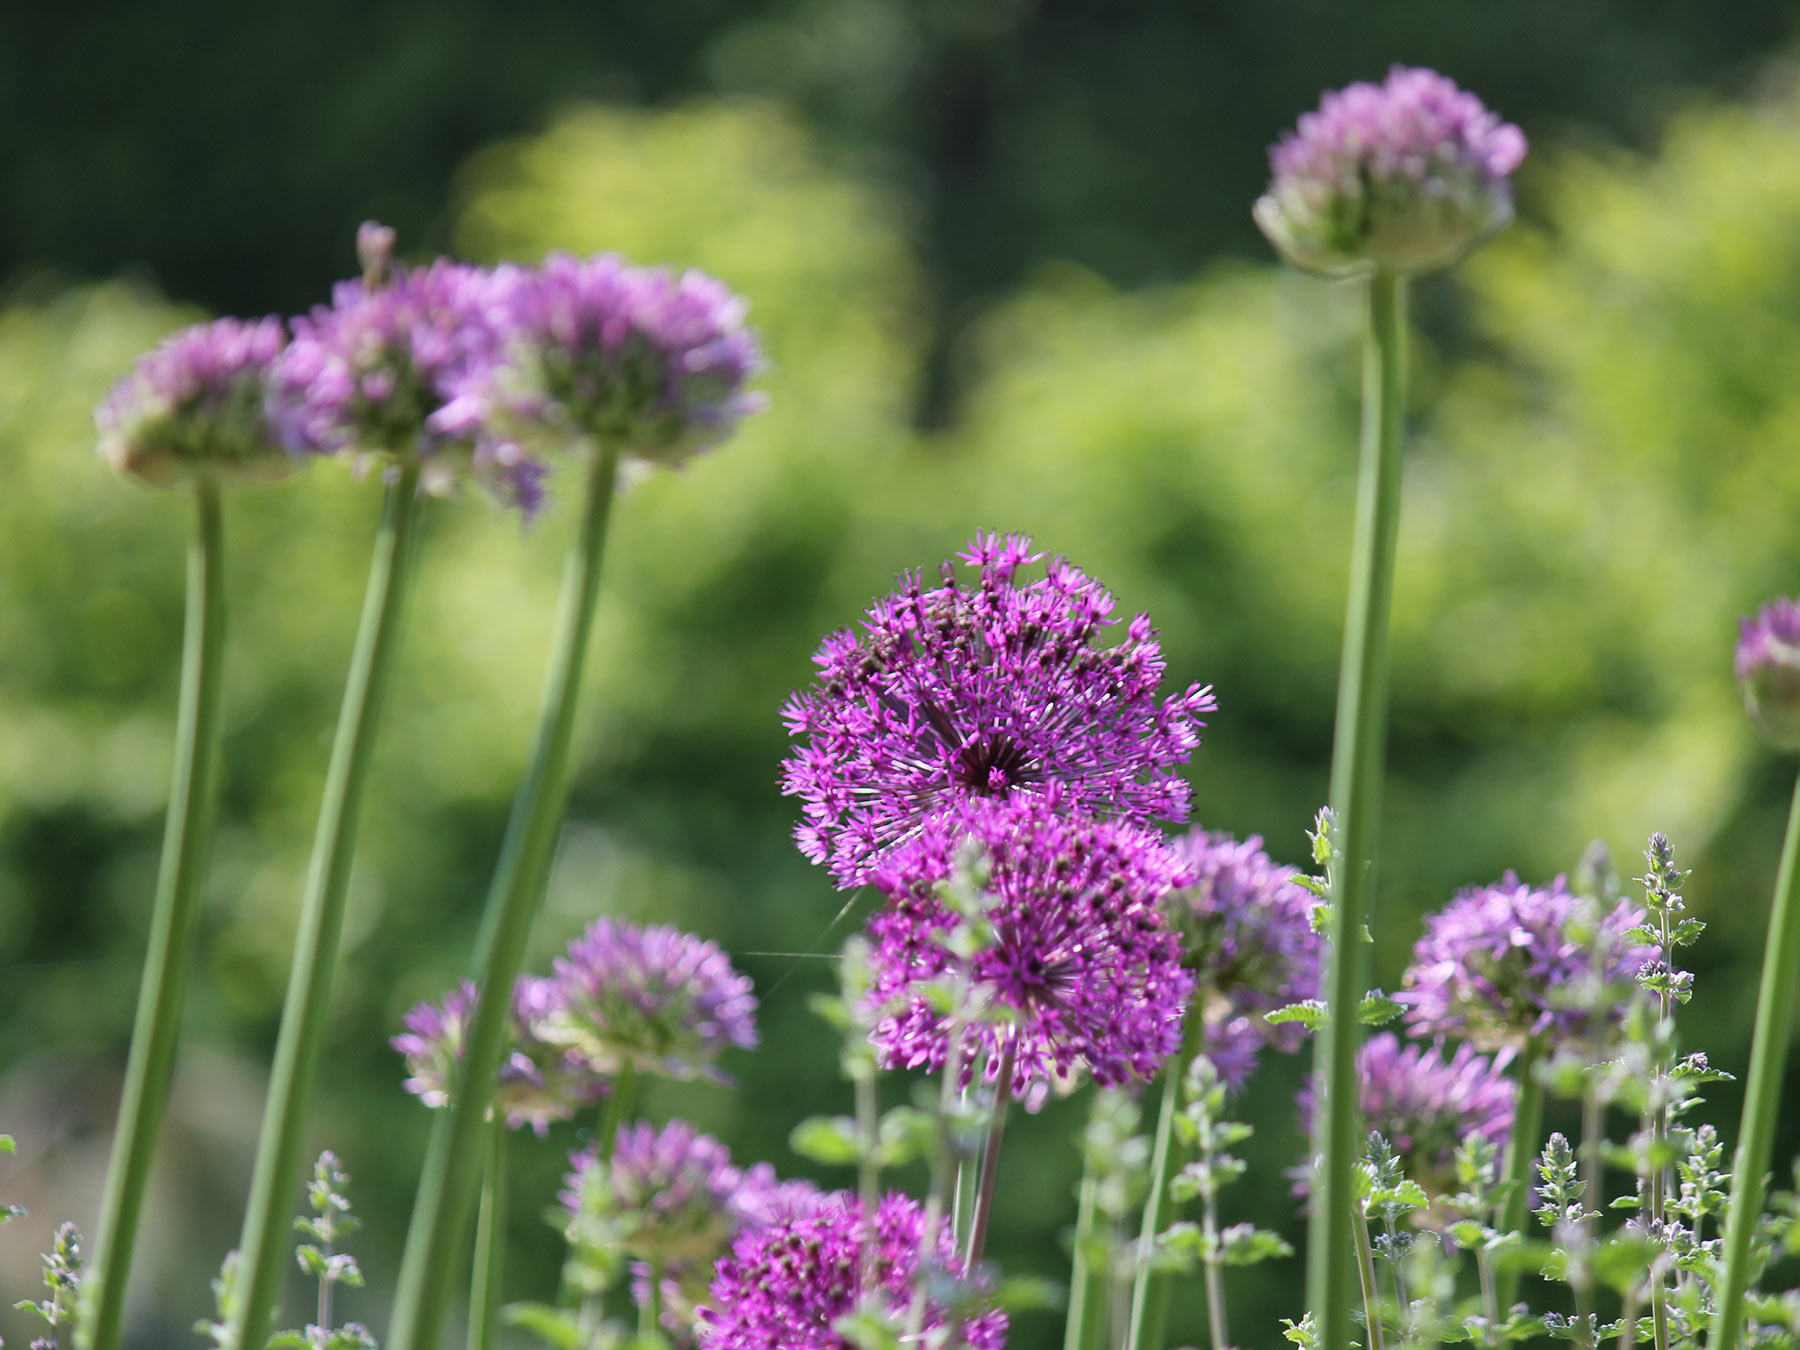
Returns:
<point x="655" y="999"/>
<point x="788" y="1284"/>
<point x="538" y="1082"/>
<point x="1081" y="957"/>
<point x="1768" y="671"/>
<point x="984" y="690"/>
<point x="1499" y="964"/>
<point x="194" y="407"/>
<point x="1403" y="176"/>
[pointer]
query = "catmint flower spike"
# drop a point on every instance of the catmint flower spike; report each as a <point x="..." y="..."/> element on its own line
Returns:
<point x="1768" y="671"/>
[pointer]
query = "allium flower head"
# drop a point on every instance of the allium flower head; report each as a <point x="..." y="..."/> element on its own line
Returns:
<point x="195" y="407"/>
<point x="1505" y="964"/>
<point x="1403" y="176"/>
<point x="656" y="999"/>
<point x="538" y="1082"/>
<point x="391" y="371"/>
<point x="1768" y="670"/>
<point x="1080" y="956"/>
<point x="784" y="1286"/>
<point x="646" y="360"/>
<point x="1424" y="1104"/>
<point x="981" y="690"/>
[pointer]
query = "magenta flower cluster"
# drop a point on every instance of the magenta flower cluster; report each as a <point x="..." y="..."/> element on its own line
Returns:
<point x="785" y="1285"/>
<point x="1768" y="670"/>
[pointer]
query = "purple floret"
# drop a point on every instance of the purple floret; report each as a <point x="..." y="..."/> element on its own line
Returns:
<point x="1080" y="954"/>
<point x="784" y="1286"/>
<point x="1400" y="176"/>
<point x="977" y="691"/>
<point x="1768" y="669"/>
<point x="1498" y="966"/>
<point x="653" y="998"/>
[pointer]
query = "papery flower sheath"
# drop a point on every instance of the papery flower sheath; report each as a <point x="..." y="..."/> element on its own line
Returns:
<point x="982" y="690"/>
<point x="1083" y="964"/>
<point x="1768" y="670"/>
<point x="196" y="407"/>
<point x="1403" y="176"/>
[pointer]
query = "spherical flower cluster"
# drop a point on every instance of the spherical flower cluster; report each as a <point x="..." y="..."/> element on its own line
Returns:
<point x="1247" y="935"/>
<point x="538" y="1082"/>
<point x="651" y="998"/>
<point x="1079" y="960"/>
<point x="643" y="359"/>
<point x="1506" y="964"/>
<point x="1403" y="176"/>
<point x="1768" y="670"/>
<point x="785" y="1285"/>
<point x="195" y="407"/>
<point x="970" y="692"/>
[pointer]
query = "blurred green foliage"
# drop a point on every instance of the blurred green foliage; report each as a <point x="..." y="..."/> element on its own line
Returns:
<point x="1602" y="477"/>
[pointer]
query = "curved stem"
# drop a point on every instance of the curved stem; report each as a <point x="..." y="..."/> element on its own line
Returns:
<point x="990" y="1158"/>
<point x="490" y="1242"/>
<point x="279" y="1156"/>
<point x="187" y="837"/>
<point x="440" y="1215"/>
<point x="1521" y="1153"/>
<point x="1150" y="1290"/>
<point x="1762" y="1094"/>
<point x="1357" y="760"/>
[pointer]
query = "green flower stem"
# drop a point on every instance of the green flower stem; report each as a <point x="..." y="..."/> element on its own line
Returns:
<point x="1356" y="773"/>
<point x="1521" y="1153"/>
<point x="446" y="1187"/>
<point x="1762" y="1094"/>
<point x="618" y="1110"/>
<point x="279" y="1159"/>
<point x="490" y="1242"/>
<point x="1371" y="1291"/>
<point x="990" y="1157"/>
<point x="187" y="834"/>
<point x="1150" y="1290"/>
<point x="1087" y="1322"/>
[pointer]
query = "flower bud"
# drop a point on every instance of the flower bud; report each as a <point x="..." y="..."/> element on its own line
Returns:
<point x="374" y="250"/>
<point x="1768" y="670"/>
<point x="1404" y="176"/>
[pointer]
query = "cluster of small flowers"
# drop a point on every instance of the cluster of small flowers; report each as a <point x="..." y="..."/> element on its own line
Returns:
<point x="449" y="368"/>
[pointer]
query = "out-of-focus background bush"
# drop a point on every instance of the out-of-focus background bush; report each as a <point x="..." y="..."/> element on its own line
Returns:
<point x="1002" y="258"/>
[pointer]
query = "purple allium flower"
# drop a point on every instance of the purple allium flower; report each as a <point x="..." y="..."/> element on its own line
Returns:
<point x="648" y="361"/>
<point x="1424" y="1105"/>
<point x="1403" y="176"/>
<point x="1502" y="965"/>
<point x="784" y="1286"/>
<point x="1768" y="670"/>
<point x="1234" y="1044"/>
<point x="1080" y="955"/>
<point x="195" y="407"/>
<point x="1247" y="934"/>
<point x="538" y="1082"/>
<point x="655" y="999"/>
<point x="973" y="692"/>
<point x="391" y="370"/>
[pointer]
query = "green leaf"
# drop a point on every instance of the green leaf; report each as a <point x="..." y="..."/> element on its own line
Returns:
<point x="555" y="1327"/>
<point x="1310" y="1014"/>
<point x="1028" y="1293"/>
<point x="826" y="1139"/>
<point x="1378" y="1007"/>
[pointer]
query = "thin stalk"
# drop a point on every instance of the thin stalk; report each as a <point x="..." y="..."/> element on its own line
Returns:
<point x="1215" y="1284"/>
<point x="441" y="1211"/>
<point x="1365" y="1271"/>
<point x="490" y="1242"/>
<point x="968" y="1177"/>
<point x="1521" y="1152"/>
<point x="618" y="1110"/>
<point x="938" y="1197"/>
<point x="1628" y="1323"/>
<point x="1087" y="1321"/>
<point x="1150" y="1289"/>
<point x="279" y="1158"/>
<point x="1592" y="1174"/>
<point x="1358" y="753"/>
<point x="1490" y="1300"/>
<point x="187" y="836"/>
<point x="990" y="1157"/>
<point x="868" y="1172"/>
<point x="650" y="1312"/>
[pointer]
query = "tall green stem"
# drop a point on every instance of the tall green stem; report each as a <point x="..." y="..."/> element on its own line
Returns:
<point x="187" y="833"/>
<point x="1085" y="1328"/>
<point x="490" y="1242"/>
<point x="440" y="1215"/>
<point x="1150" y="1289"/>
<point x="1521" y="1153"/>
<point x="279" y="1159"/>
<point x="990" y="1157"/>
<point x="1762" y="1094"/>
<point x="1356" y="773"/>
<point x="618" y="1110"/>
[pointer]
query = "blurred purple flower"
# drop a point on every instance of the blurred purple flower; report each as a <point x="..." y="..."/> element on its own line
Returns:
<point x="1403" y="176"/>
<point x="1768" y="670"/>
<point x="962" y="694"/>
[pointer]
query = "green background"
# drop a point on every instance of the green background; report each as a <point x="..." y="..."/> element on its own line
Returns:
<point x="1001" y="257"/>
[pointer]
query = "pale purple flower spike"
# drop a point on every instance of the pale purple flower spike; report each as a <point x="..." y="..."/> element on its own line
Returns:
<point x="1768" y="670"/>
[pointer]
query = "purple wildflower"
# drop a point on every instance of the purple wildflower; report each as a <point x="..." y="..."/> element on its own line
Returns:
<point x="1403" y="176"/>
<point x="195" y="407"/>
<point x="654" y="999"/>
<point x="1502" y="965"/>
<point x="1247" y="935"/>
<point x="1424" y="1105"/>
<point x="538" y="1082"/>
<point x="966" y="693"/>
<point x="1079" y="954"/>
<point x="784" y="1286"/>
<point x="1768" y="670"/>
